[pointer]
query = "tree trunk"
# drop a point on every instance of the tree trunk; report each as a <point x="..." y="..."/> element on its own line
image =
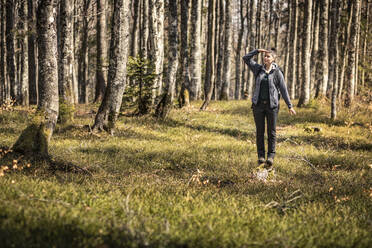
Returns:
<point x="365" y="42"/>
<point x="185" y="81"/>
<point x="293" y="50"/>
<point x="83" y="67"/>
<point x="2" y="54"/>
<point x="350" y="69"/>
<point x="357" y="50"/>
<point x="9" y="36"/>
<point x="335" y="23"/>
<point x="315" y="48"/>
<point x="166" y="102"/>
<point x="119" y="50"/>
<point x="227" y="53"/>
<point x="157" y="37"/>
<point x="23" y="41"/>
<point x="209" y="66"/>
<point x="218" y="47"/>
<point x="66" y="62"/>
<point x="322" y="64"/>
<point x="32" y="68"/>
<point x="195" y="50"/>
<point x="35" y="138"/>
<point x="305" y="89"/>
<point x="238" y="59"/>
<point x="287" y="50"/>
<point x="101" y="71"/>
<point x="252" y="35"/>
<point x="134" y="39"/>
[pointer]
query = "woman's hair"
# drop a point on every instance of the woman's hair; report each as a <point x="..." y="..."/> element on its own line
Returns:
<point x="273" y="52"/>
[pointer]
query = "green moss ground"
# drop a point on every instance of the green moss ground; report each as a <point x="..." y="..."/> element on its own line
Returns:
<point x="187" y="182"/>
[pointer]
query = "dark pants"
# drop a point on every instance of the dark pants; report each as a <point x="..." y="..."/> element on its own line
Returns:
<point x="262" y="111"/>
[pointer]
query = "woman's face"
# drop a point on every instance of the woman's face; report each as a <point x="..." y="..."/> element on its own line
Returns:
<point x="268" y="59"/>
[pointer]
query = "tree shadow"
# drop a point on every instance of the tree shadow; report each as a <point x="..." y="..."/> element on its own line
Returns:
<point x="331" y="142"/>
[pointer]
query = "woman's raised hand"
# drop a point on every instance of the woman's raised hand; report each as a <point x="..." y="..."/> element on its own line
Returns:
<point x="262" y="51"/>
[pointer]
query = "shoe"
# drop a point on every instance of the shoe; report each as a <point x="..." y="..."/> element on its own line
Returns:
<point x="270" y="161"/>
<point x="261" y="160"/>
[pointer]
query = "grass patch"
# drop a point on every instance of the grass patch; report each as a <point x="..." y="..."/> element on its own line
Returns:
<point x="187" y="182"/>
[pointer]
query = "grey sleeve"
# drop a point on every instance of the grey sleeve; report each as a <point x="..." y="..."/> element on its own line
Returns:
<point x="248" y="59"/>
<point x="283" y="90"/>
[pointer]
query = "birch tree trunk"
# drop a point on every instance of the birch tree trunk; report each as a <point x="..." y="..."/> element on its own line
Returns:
<point x="209" y="71"/>
<point x="32" y="67"/>
<point x="218" y="47"/>
<point x="35" y="138"/>
<point x="101" y="71"/>
<point x="293" y="48"/>
<point x="365" y="42"/>
<point x="82" y="65"/>
<point x="227" y="53"/>
<point x="2" y="54"/>
<point x="66" y="62"/>
<point x="119" y="50"/>
<point x="158" y="39"/>
<point x="166" y="102"/>
<point x="350" y="69"/>
<point x="238" y="59"/>
<point x="195" y="50"/>
<point x="287" y="39"/>
<point x="23" y="41"/>
<point x="9" y="37"/>
<point x="315" y="48"/>
<point x="184" y="53"/>
<point x="335" y="24"/>
<point x="251" y="34"/>
<point x="322" y="65"/>
<point x="305" y="89"/>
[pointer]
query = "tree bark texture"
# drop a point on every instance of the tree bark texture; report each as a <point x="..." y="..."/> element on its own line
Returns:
<point x="184" y="54"/>
<point x="101" y="69"/>
<point x="306" y="52"/>
<point x="36" y="137"/>
<point x="227" y="53"/>
<point x="119" y="50"/>
<point x="166" y="102"/>
<point x="209" y="71"/>
<point x="32" y="54"/>
<point x="195" y="50"/>
<point x="335" y="24"/>
<point x="9" y="40"/>
<point x="350" y="69"/>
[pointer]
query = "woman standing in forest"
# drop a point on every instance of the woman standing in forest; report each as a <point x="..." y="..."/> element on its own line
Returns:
<point x="265" y="100"/>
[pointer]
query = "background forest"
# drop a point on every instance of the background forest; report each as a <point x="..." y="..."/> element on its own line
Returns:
<point x="148" y="104"/>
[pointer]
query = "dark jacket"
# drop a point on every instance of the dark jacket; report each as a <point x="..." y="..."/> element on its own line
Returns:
<point x="276" y="81"/>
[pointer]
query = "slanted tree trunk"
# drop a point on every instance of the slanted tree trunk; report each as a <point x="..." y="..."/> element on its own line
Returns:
<point x="165" y="104"/>
<point x="227" y="53"/>
<point x="9" y="39"/>
<point x="32" y="67"/>
<point x="184" y="53"/>
<point x="251" y="34"/>
<point x="335" y="24"/>
<point x="293" y="49"/>
<point x="350" y="69"/>
<point x="305" y="89"/>
<point x="322" y="64"/>
<point x="287" y="50"/>
<point x="119" y="50"/>
<point x="195" y="50"/>
<point x="209" y="66"/>
<point x="101" y="71"/>
<point x="35" y="139"/>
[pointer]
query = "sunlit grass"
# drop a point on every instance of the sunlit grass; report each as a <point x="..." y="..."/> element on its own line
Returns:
<point x="187" y="181"/>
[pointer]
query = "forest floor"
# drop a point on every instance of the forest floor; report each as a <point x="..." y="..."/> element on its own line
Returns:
<point x="190" y="181"/>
